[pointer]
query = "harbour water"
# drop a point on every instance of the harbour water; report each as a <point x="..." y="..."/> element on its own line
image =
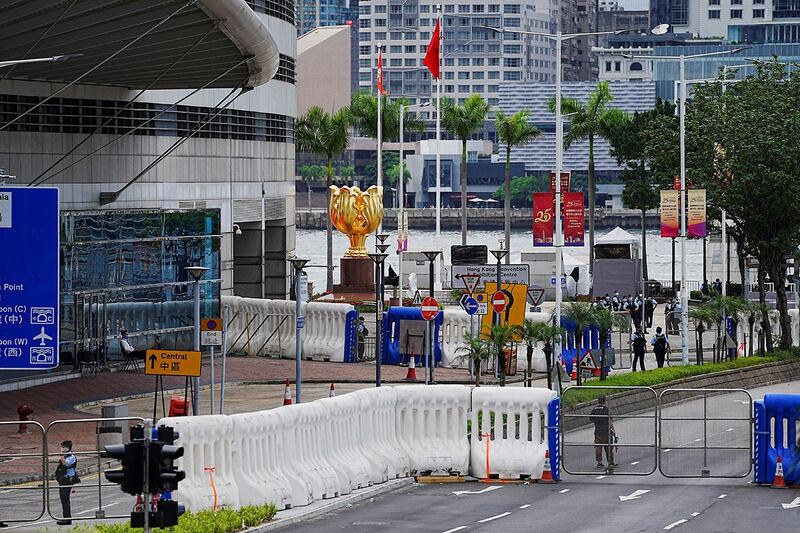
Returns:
<point x="311" y="245"/>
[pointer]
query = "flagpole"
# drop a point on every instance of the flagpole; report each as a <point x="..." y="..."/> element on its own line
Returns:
<point x="437" y="282"/>
<point x="380" y="135"/>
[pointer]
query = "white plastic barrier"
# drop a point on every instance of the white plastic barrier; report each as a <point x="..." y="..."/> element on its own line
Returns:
<point x="432" y="427"/>
<point x="378" y="434"/>
<point x="513" y="417"/>
<point x="258" y="459"/>
<point x="268" y="326"/>
<point x="207" y="455"/>
<point x="341" y="440"/>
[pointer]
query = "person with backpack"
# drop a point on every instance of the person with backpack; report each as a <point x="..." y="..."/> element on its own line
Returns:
<point x="661" y="348"/>
<point x="639" y="343"/>
<point x="66" y="476"/>
<point x="361" y="332"/>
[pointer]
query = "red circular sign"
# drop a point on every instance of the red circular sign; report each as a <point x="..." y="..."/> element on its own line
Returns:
<point x="499" y="301"/>
<point x="430" y="308"/>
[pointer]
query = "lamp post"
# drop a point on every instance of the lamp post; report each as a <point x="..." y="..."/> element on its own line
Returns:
<point x="197" y="272"/>
<point x="430" y="352"/>
<point x="499" y="254"/>
<point x="378" y="258"/>
<point x="401" y="193"/>
<point x="684" y="289"/>
<point x="558" y="239"/>
<point x="298" y="265"/>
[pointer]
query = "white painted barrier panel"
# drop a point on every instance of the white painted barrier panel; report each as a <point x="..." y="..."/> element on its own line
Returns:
<point x="378" y="434"/>
<point x="432" y="427"/>
<point x="341" y="440"/>
<point x="258" y="458"/>
<point x="514" y="418"/>
<point x="207" y="455"/>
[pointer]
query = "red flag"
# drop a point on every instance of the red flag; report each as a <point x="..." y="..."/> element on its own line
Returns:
<point x="381" y="90"/>
<point x="432" y="55"/>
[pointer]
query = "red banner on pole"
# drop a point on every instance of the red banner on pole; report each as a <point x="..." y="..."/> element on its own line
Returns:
<point x="669" y="213"/>
<point x="543" y="218"/>
<point x="565" y="179"/>
<point x="573" y="219"/>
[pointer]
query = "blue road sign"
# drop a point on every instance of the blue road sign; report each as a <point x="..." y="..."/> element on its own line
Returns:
<point x="29" y="278"/>
<point x="301" y="322"/>
<point x="471" y="306"/>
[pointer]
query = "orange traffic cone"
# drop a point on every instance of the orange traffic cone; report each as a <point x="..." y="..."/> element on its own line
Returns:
<point x="779" y="482"/>
<point x="287" y="394"/>
<point x="411" y="375"/>
<point x="547" y="473"/>
<point x="332" y="394"/>
<point x="574" y="375"/>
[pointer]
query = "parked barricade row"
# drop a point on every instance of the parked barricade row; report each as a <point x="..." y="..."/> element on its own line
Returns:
<point x="207" y="460"/>
<point x="508" y="432"/>
<point x="378" y="434"/>
<point x="341" y="429"/>
<point x="432" y="427"/>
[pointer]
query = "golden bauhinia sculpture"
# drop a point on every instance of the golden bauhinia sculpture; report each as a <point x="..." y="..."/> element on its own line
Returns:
<point x="356" y="213"/>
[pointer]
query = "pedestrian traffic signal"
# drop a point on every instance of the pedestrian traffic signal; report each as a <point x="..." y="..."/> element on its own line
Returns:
<point x="164" y="475"/>
<point x="131" y="476"/>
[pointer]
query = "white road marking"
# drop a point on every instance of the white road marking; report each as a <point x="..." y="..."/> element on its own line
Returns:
<point x="635" y="495"/>
<point x="487" y="489"/>
<point x="600" y="477"/>
<point x="501" y="515"/>
<point x="695" y="514"/>
<point x="635" y="463"/>
<point x="93" y="510"/>
<point x="679" y="522"/>
<point x="792" y="505"/>
<point x="563" y="491"/>
<point x="27" y="524"/>
<point x="697" y="440"/>
<point x="525" y="506"/>
<point x="459" y="528"/>
<point x="731" y="429"/>
<point x="667" y="450"/>
<point x="721" y="496"/>
<point x="6" y="491"/>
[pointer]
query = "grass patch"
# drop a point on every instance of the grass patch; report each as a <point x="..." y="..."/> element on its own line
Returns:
<point x="658" y="376"/>
<point x="222" y="521"/>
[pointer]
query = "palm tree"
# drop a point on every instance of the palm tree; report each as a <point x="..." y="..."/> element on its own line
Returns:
<point x="719" y="307"/>
<point x="588" y="121"/>
<point x="328" y="135"/>
<point x="703" y="318"/>
<point x="534" y="333"/>
<point x="606" y="320"/>
<point x="475" y="351"/>
<point x="512" y="131"/>
<point x="461" y="121"/>
<point x="582" y="315"/>
<point x="499" y="336"/>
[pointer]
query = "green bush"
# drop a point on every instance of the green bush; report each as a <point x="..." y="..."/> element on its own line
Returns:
<point x="223" y="521"/>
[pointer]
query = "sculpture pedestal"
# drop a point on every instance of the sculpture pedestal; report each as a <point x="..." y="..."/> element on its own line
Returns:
<point x="357" y="276"/>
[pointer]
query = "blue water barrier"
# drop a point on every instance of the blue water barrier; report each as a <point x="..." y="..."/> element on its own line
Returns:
<point x="776" y="434"/>
<point x="350" y="336"/>
<point x="554" y="436"/>
<point x="591" y="339"/>
<point x="392" y="334"/>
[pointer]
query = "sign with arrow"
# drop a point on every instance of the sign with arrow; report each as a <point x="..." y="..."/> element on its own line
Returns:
<point x="635" y="495"/>
<point x="470" y="305"/>
<point x="173" y="363"/>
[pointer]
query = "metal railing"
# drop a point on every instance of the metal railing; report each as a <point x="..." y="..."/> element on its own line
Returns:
<point x="9" y="512"/>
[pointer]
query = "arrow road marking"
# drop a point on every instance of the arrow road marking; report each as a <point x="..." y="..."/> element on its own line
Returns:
<point x="795" y="503"/>
<point x="635" y="495"/>
<point x="495" y="517"/>
<point x="487" y="489"/>
<point x="679" y="522"/>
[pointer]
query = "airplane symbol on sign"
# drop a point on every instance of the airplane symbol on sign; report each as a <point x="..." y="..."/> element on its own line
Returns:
<point x="42" y="337"/>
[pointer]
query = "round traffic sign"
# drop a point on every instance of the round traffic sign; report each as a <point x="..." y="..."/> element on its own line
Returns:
<point x="430" y="308"/>
<point x="499" y="301"/>
<point x="471" y="306"/>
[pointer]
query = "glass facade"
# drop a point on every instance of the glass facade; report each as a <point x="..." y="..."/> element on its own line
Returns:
<point x="764" y="33"/>
<point x="126" y="270"/>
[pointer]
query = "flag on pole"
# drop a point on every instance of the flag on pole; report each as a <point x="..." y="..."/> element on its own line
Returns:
<point x="432" y="55"/>
<point x="381" y="90"/>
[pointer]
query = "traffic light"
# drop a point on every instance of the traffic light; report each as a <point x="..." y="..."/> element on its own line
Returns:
<point x="131" y="476"/>
<point x="164" y="475"/>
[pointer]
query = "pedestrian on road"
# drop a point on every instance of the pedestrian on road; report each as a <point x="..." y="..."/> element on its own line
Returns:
<point x="615" y="301"/>
<point x="661" y="347"/>
<point x="604" y="433"/>
<point x="639" y="342"/>
<point x="650" y="305"/>
<point x="66" y="476"/>
<point x="362" y="332"/>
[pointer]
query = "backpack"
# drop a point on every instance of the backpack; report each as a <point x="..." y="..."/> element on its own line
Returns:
<point x="661" y="344"/>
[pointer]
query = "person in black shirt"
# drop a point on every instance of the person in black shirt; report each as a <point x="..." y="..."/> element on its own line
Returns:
<point x="639" y="342"/>
<point x="603" y="432"/>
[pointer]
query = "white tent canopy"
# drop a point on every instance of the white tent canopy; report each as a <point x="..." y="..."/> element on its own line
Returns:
<point x="617" y="236"/>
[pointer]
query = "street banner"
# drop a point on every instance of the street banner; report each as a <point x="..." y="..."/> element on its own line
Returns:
<point x="543" y="218"/>
<point x="565" y="179"/>
<point x="669" y="213"/>
<point x="696" y="213"/>
<point x="573" y="219"/>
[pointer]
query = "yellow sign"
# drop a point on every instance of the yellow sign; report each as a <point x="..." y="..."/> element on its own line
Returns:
<point x="514" y="313"/>
<point x="172" y="363"/>
<point x="211" y="324"/>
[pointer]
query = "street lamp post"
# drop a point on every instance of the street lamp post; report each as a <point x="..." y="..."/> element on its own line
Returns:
<point x="499" y="254"/>
<point x="378" y="258"/>
<point x="430" y="356"/>
<point x="197" y="272"/>
<point x="298" y="265"/>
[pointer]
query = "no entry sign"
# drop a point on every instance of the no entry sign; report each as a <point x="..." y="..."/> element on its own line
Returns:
<point x="499" y="302"/>
<point x="430" y="308"/>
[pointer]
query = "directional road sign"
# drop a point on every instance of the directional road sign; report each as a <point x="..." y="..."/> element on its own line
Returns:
<point x="29" y="278"/>
<point x="508" y="274"/>
<point x="499" y="302"/>
<point x="430" y="308"/>
<point x="535" y="295"/>
<point x="470" y="306"/>
<point x="172" y="363"/>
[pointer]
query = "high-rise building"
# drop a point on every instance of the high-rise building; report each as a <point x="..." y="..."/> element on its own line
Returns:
<point x="475" y="60"/>
<point x="577" y="62"/>
<point x="311" y="14"/>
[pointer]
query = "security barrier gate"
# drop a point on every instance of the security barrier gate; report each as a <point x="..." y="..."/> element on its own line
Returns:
<point x="635" y="431"/>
